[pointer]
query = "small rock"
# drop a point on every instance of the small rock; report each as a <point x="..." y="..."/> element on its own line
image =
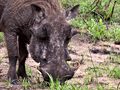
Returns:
<point x="4" y="64"/>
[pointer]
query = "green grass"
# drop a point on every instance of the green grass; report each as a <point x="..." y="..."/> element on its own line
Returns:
<point x="1" y="58"/>
<point x="26" y="84"/>
<point x="29" y="71"/>
<point x="115" y="58"/>
<point x="115" y="72"/>
<point x="57" y="86"/>
<point x="1" y="36"/>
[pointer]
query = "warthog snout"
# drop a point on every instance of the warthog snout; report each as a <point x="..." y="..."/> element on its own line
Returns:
<point x="64" y="73"/>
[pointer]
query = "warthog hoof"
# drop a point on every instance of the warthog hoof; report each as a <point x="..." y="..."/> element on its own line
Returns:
<point x="14" y="82"/>
<point x="29" y="81"/>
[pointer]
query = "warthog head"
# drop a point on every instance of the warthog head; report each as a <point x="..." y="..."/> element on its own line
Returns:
<point x="51" y="34"/>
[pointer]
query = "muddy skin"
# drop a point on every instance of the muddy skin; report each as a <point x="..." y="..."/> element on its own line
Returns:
<point x="43" y="25"/>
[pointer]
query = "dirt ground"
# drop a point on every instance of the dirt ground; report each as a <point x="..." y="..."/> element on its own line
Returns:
<point x="90" y="54"/>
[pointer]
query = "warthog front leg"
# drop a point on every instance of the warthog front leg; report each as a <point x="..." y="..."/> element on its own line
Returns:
<point x="23" y="54"/>
<point x="11" y="42"/>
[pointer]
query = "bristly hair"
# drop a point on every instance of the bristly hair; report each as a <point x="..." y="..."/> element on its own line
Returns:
<point x="52" y="6"/>
<point x="56" y="4"/>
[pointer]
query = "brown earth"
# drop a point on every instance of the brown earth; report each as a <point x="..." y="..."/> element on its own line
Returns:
<point x="83" y="51"/>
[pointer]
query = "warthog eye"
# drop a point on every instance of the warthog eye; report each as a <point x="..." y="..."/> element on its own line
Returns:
<point x="69" y="35"/>
<point x="43" y="33"/>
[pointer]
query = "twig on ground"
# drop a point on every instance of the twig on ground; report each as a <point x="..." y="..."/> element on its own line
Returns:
<point x="118" y="86"/>
<point x="96" y="13"/>
<point x="86" y="23"/>
<point x="107" y="5"/>
<point x="106" y="26"/>
<point x="93" y="2"/>
<point x="110" y="16"/>
<point x="97" y="2"/>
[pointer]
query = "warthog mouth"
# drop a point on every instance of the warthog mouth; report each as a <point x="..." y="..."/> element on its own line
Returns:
<point x="75" y="68"/>
<point x="40" y="71"/>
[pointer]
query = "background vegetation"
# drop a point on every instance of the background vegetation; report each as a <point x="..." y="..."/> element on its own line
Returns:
<point x="99" y="18"/>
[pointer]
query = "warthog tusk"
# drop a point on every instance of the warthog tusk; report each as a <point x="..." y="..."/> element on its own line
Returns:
<point x="39" y="70"/>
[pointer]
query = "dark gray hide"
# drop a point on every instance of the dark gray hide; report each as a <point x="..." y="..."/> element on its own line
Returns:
<point x="44" y="27"/>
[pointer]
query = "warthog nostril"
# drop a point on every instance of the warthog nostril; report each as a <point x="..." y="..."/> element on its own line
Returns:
<point x="44" y="59"/>
<point x="69" y="58"/>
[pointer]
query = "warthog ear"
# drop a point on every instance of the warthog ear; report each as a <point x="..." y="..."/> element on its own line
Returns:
<point x="72" y="12"/>
<point x="38" y="12"/>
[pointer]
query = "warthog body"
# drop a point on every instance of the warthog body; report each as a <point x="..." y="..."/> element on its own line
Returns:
<point x="43" y="25"/>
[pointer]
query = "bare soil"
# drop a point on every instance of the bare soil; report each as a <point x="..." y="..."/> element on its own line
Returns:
<point x="89" y="55"/>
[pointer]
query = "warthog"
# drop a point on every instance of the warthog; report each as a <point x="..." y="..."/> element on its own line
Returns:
<point x="43" y="25"/>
